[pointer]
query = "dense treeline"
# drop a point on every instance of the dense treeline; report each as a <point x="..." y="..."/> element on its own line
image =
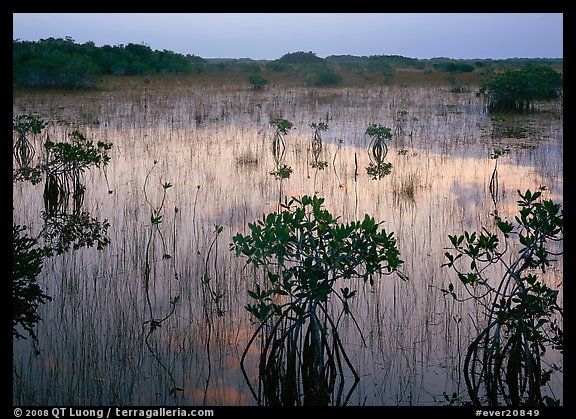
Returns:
<point x="64" y="63"/>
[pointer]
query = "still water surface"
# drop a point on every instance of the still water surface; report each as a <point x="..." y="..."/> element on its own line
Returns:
<point x="213" y="144"/>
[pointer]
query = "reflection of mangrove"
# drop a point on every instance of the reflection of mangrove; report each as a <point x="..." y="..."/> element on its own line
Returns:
<point x="156" y="218"/>
<point x="278" y="148"/>
<point x="61" y="233"/>
<point x="64" y="164"/>
<point x="281" y="170"/>
<point x="400" y="123"/>
<point x="493" y="186"/>
<point x="62" y="230"/>
<point x="301" y="364"/>
<point x="57" y="191"/>
<point x="316" y="146"/>
<point x="340" y="142"/>
<point x="211" y="302"/>
<point x="23" y="149"/>
<point x="304" y="252"/>
<point x="404" y="126"/>
<point x="377" y="151"/>
<point x="27" y="295"/>
<point x="153" y="325"/>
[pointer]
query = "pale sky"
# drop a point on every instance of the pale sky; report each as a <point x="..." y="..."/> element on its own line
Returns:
<point x="270" y="35"/>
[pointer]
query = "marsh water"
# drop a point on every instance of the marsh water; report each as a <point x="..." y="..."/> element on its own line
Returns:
<point x="212" y="143"/>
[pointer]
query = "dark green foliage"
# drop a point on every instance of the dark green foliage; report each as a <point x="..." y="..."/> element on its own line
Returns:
<point x="219" y="66"/>
<point x="324" y="76"/>
<point x="519" y="90"/>
<point x="257" y="82"/>
<point x="379" y="65"/>
<point x="27" y="295"/>
<point x="65" y="157"/>
<point x="379" y="132"/>
<point x="58" y="69"/>
<point x="28" y="124"/>
<point x="282" y="172"/>
<point x="63" y="232"/>
<point x="300" y="57"/>
<point x="453" y="67"/>
<point x="394" y="60"/>
<point x="63" y="63"/>
<point x="388" y="76"/>
<point x="276" y="67"/>
<point x="499" y="152"/>
<point x="304" y="253"/>
<point x="282" y="125"/>
<point x="324" y="251"/>
<point x="249" y="67"/>
<point x="504" y="364"/>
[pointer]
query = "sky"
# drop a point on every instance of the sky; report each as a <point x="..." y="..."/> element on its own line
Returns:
<point x="268" y="36"/>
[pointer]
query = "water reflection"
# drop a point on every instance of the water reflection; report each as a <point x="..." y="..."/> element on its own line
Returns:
<point x="92" y="343"/>
<point x="61" y="230"/>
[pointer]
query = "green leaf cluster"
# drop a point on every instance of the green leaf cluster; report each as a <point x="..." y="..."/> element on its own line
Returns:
<point x="304" y="250"/>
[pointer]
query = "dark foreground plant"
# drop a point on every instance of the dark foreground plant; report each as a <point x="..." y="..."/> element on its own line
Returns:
<point x="505" y="364"/>
<point x="307" y="257"/>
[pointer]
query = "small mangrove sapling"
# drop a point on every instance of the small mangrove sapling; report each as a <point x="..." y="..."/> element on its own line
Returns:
<point x="308" y="257"/>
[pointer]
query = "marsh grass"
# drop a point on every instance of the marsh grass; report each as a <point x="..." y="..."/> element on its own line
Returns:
<point x="409" y="347"/>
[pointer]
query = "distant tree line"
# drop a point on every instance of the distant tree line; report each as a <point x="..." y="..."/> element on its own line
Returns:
<point x="63" y="63"/>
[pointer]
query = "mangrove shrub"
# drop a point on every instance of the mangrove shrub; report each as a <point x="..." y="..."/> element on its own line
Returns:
<point x="519" y="90"/>
<point x="505" y="364"/>
<point x="308" y="259"/>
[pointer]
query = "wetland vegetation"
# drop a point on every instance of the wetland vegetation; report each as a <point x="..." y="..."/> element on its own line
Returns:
<point x="388" y="237"/>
